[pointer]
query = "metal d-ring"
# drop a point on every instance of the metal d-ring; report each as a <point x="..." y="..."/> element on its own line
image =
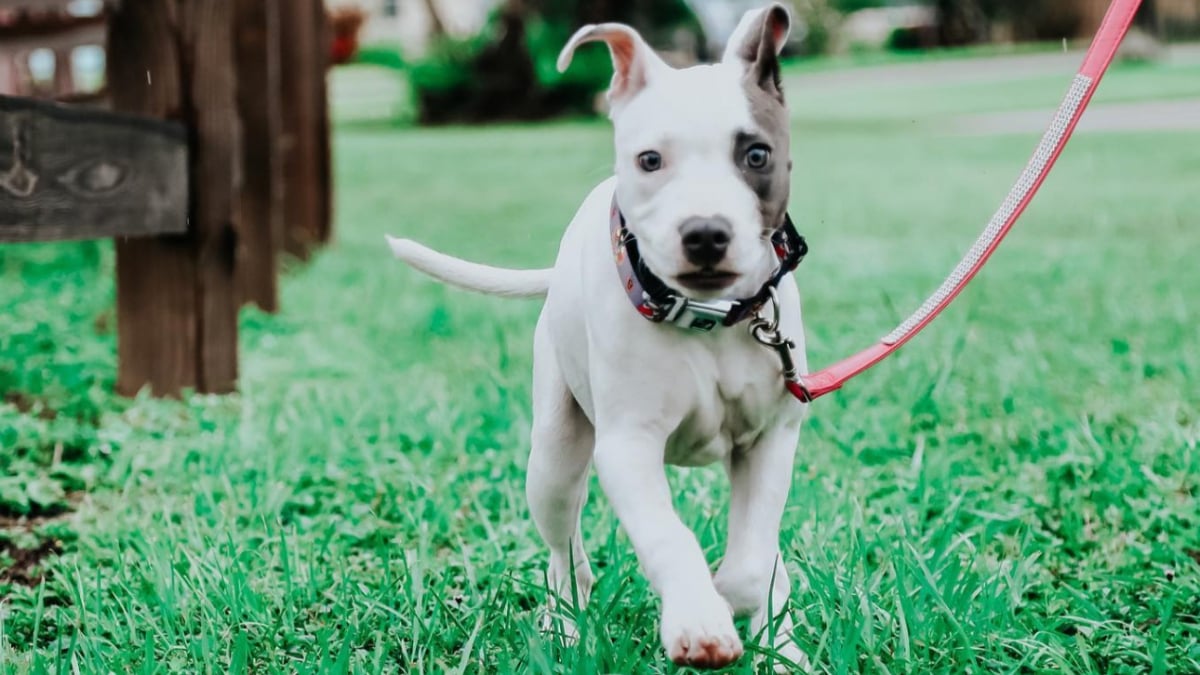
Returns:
<point x="766" y="333"/>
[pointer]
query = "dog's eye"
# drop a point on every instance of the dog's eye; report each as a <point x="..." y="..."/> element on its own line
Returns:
<point x="650" y="161"/>
<point x="758" y="156"/>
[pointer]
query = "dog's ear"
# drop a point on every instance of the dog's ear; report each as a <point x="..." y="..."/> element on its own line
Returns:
<point x="756" y="43"/>
<point x="634" y="62"/>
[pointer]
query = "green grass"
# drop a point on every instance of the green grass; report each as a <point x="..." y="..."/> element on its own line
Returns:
<point x="1015" y="491"/>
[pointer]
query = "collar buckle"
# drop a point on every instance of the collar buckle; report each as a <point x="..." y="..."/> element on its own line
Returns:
<point x="698" y="315"/>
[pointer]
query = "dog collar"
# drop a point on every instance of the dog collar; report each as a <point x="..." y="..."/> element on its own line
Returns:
<point x="660" y="303"/>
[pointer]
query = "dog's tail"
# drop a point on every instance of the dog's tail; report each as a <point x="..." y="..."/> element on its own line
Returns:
<point x="469" y="275"/>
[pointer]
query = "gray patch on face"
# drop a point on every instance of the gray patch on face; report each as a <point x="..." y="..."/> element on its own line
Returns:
<point x="772" y="183"/>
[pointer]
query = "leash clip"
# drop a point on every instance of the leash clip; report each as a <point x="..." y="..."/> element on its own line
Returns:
<point x="766" y="333"/>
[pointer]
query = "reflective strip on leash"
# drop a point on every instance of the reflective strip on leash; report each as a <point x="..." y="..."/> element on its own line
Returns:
<point x="1100" y="55"/>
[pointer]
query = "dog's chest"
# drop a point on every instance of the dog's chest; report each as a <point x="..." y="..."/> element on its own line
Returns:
<point x="738" y="395"/>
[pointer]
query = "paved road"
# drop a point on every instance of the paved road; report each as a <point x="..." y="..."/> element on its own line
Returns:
<point x="956" y="71"/>
<point x="1145" y="115"/>
<point x="1181" y="115"/>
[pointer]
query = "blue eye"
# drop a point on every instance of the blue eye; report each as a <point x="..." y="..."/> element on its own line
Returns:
<point x="758" y="156"/>
<point x="650" y="161"/>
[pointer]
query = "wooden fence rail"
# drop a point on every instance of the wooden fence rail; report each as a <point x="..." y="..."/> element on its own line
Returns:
<point x="68" y="173"/>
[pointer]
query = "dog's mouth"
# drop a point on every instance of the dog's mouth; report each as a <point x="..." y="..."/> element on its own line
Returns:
<point x="707" y="279"/>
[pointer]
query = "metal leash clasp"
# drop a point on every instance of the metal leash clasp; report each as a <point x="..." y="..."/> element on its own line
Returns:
<point x="766" y="332"/>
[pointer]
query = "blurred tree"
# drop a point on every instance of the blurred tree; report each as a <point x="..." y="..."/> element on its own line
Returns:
<point x="508" y="71"/>
<point x="972" y="21"/>
<point x="436" y="27"/>
<point x="847" y="6"/>
<point x="961" y="21"/>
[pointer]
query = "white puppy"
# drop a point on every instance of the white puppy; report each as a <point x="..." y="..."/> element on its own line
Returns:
<point x="701" y="186"/>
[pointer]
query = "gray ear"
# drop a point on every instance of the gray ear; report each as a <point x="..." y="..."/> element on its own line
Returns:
<point x="757" y="42"/>
<point x="634" y="62"/>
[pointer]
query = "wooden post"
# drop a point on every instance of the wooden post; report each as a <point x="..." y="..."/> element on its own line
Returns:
<point x="176" y="296"/>
<point x="324" y="185"/>
<point x="8" y="72"/>
<point x="64" y="74"/>
<point x="257" y="34"/>
<point x="304" y="58"/>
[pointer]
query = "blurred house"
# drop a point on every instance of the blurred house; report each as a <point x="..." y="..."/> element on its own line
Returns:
<point x="912" y="24"/>
<point x="1165" y="19"/>
<point x="1179" y="18"/>
<point x="52" y="49"/>
<point x="412" y="24"/>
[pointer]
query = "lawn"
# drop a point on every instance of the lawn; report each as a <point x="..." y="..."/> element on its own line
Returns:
<point x="1014" y="492"/>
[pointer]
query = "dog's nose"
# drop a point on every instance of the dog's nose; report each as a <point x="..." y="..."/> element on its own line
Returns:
<point x="705" y="240"/>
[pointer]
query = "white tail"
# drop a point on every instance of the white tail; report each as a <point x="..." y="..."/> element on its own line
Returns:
<point x="469" y="275"/>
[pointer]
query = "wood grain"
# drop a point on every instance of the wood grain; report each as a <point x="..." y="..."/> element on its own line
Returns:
<point x="70" y="173"/>
<point x="39" y="5"/>
<point x="257" y="52"/>
<point x="303" y="59"/>
<point x="91" y="33"/>
<point x="156" y="278"/>
<point x="176" y="296"/>
<point x="324" y="151"/>
<point x="206" y="30"/>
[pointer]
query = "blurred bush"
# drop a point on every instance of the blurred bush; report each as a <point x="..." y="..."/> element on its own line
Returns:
<point x="821" y="20"/>
<point x="386" y="56"/>
<point x="508" y="72"/>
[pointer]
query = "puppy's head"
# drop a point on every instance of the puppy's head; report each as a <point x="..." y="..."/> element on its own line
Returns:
<point x="702" y="159"/>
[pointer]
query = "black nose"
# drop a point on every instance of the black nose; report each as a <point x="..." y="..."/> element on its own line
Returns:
<point x="705" y="240"/>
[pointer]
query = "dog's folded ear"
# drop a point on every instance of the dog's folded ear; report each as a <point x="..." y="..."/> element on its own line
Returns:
<point x="756" y="43"/>
<point x="634" y="62"/>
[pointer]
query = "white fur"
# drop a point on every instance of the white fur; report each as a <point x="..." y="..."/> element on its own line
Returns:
<point x="628" y="396"/>
<point x="698" y="177"/>
<point x="469" y="275"/>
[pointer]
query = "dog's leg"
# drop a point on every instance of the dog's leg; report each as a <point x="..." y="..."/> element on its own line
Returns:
<point x="697" y="624"/>
<point x="556" y="483"/>
<point x="752" y="575"/>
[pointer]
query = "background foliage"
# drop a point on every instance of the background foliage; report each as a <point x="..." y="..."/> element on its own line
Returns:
<point x="508" y="71"/>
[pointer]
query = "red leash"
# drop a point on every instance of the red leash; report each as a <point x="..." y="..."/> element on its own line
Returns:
<point x="1100" y="55"/>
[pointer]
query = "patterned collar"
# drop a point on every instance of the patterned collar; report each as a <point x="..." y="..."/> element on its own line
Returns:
<point x="658" y="302"/>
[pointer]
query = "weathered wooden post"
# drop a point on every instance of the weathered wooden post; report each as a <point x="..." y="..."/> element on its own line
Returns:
<point x="64" y="74"/>
<point x="256" y="31"/>
<point x="177" y="298"/>
<point x="304" y="47"/>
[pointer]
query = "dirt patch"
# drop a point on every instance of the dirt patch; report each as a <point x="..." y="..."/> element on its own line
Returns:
<point x="40" y="516"/>
<point x="26" y="522"/>
<point x="1194" y="554"/>
<point x="26" y="404"/>
<point x="26" y="567"/>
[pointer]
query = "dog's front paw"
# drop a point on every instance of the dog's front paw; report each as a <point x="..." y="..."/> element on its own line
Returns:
<point x="697" y="630"/>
